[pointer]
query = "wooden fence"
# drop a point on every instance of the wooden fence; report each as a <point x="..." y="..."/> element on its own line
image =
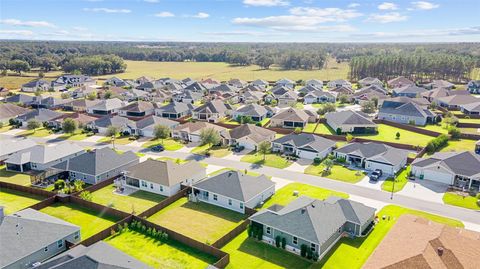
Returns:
<point x="99" y="185"/>
<point x="468" y="125"/>
<point x="105" y="233"/>
<point x="408" y="127"/>
<point x="26" y="189"/>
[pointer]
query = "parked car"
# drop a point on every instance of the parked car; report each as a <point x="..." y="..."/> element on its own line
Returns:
<point x="157" y="148"/>
<point x="238" y="148"/>
<point x="376" y="175"/>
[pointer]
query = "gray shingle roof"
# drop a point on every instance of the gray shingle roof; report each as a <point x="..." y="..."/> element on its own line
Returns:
<point x="215" y="106"/>
<point x="114" y="121"/>
<point x="9" y="146"/>
<point x="252" y="110"/>
<point x="40" y="115"/>
<point x="464" y="163"/>
<point x="409" y="89"/>
<point x="151" y="121"/>
<point x="307" y="141"/>
<point x="349" y="117"/>
<point x="375" y="151"/>
<point x="292" y="114"/>
<point x="407" y="109"/>
<point x="235" y="185"/>
<point x="255" y="133"/>
<point x="8" y="111"/>
<point x="175" y="107"/>
<point x="45" y="153"/>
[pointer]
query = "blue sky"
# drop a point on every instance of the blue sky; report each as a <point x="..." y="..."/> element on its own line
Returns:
<point x="241" y="20"/>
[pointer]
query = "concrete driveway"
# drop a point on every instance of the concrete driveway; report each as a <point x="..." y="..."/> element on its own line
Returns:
<point x="425" y="190"/>
<point x="188" y="147"/>
<point x="14" y="131"/>
<point x="236" y="156"/>
<point x="93" y="138"/>
<point x="376" y="185"/>
<point x="299" y="165"/>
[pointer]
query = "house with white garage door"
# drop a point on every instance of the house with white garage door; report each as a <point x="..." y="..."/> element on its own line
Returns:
<point x="460" y="169"/>
<point x="371" y="156"/>
<point x="307" y="146"/>
<point x="250" y="136"/>
<point x="190" y="131"/>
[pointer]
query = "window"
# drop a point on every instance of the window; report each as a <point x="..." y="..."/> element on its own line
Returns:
<point x="229" y="201"/>
<point x="241" y="205"/>
<point x="215" y="197"/>
<point x="161" y="188"/>
<point x="77" y="235"/>
<point x="151" y="185"/>
<point x="144" y="184"/>
<point x="295" y="240"/>
<point x="269" y="230"/>
<point x="60" y="243"/>
<point x="45" y="249"/>
<point x="313" y="247"/>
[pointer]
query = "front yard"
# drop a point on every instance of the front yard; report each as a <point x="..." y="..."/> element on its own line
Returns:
<point x="90" y="222"/>
<point x="14" y="178"/>
<point x="168" y="144"/>
<point x="200" y="221"/>
<point x="451" y="198"/>
<point x="401" y="180"/>
<point x="77" y="135"/>
<point x="40" y="132"/>
<point x="156" y="254"/>
<point x="119" y="140"/>
<point x="215" y="151"/>
<point x="14" y="200"/>
<point x="138" y="201"/>
<point x="337" y="172"/>
<point x="271" y="159"/>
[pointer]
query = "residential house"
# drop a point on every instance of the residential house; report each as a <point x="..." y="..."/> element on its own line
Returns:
<point x="223" y="88"/>
<point x="160" y="96"/>
<point x="174" y="110"/>
<point x="80" y="118"/>
<point x="369" y="81"/>
<point x="117" y="82"/>
<point x="41" y="115"/>
<point x="9" y="111"/>
<point x="143" y="79"/>
<point x="293" y="118"/>
<point x="190" y="131"/>
<point x="36" y="85"/>
<point x="147" y="86"/>
<point x="369" y="93"/>
<point x="234" y="190"/>
<point x="196" y="87"/>
<point x="455" y="101"/>
<point x="67" y="81"/>
<point x="98" y="255"/>
<point x="319" y="96"/>
<point x="471" y="109"/>
<point x="250" y="136"/>
<point x="349" y="121"/>
<point x="106" y="107"/>
<point x="137" y="109"/>
<point x="411" y="91"/>
<point x="41" y="157"/>
<point x="21" y="99"/>
<point x="49" y="102"/>
<point x="8" y="147"/>
<point x="339" y="83"/>
<point x="314" y="83"/>
<point x="163" y="177"/>
<point x="29" y="237"/>
<point x="97" y="165"/>
<point x="318" y="225"/>
<point x="405" y="112"/>
<point x="101" y="125"/>
<point x="79" y="105"/>
<point x="238" y="83"/>
<point x="256" y="112"/>
<point x="436" y="93"/>
<point x="285" y="82"/>
<point x="188" y="97"/>
<point x="460" y="169"/>
<point x="284" y="96"/>
<point x="212" y="111"/>
<point x="399" y="82"/>
<point x="84" y="91"/>
<point x="473" y="86"/>
<point x="440" y="84"/>
<point x="371" y="156"/>
<point x="342" y="90"/>
<point x="260" y="83"/>
<point x="303" y="145"/>
<point x="146" y="126"/>
<point x="249" y="97"/>
<point x="308" y="88"/>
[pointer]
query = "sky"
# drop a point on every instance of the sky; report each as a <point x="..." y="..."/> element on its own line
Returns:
<point x="241" y="20"/>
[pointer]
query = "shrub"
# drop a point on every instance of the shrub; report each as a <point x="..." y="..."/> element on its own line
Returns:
<point x="339" y="131"/>
<point x="112" y="232"/>
<point x="309" y="253"/>
<point x="277" y="241"/>
<point x="258" y="124"/>
<point x="437" y="143"/>
<point x="349" y="137"/>
<point x="397" y="135"/>
<point x="59" y="184"/>
<point x="86" y="195"/>
<point x="303" y="250"/>
<point x="317" y="160"/>
<point x="315" y="256"/>
<point x="454" y="132"/>
<point x="284" y="242"/>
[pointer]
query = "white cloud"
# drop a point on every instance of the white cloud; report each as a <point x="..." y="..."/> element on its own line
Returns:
<point x="421" y="34"/>
<point x="423" y="5"/>
<point x="266" y="3"/>
<point x="353" y="5"/>
<point x="151" y="1"/>
<point x="387" y="17"/>
<point x="165" y="14"/>
<point x="16" y="32"/>
<point x="15" y="22"/>
<point x="387" y="6"/>
<point x="107" y="10"/>
<point x="201" y="15"/>
<point x="244" y="33"/>
<point x="80" y="28"/>
<point x="327" y="14"/>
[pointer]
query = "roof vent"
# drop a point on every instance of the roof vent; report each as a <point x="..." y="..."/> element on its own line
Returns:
<point x="440" y="251"/>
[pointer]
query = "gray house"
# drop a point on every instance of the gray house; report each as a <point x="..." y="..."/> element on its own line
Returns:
<point x="256" y="112"/>
<point x="212" y="111"/>
<point x="97" y="165"/>
<point x="405" y="112"/>
<point x="101" y="125"/>
<point x="8" y="147"/>
<point x="307" y="146"/>
<point x="174" y="110"/>
<point x="349" y="121"/>
<point x="233" y="190"/>
<point x="411" y="91"/>
<point x="314" y="223"/>
<point x="29" y="237"/>
<point x="146" y="127"/>
<point x="106" y="107"/>
<point x="41" y="115"/>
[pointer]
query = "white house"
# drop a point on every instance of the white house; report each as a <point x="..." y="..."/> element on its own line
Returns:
<point x="250" y="136"/>
<point x="303" y="145"/>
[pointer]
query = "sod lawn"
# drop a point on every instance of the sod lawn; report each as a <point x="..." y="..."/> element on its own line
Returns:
<point x="170" y="255"/>
<point x="90" y="222"/>
<point x="200" y="221"/>
<point x="271" y="159"/>
<point x="77" y="135"/>
<point x="459" y="145"/>
<point x="215" y="151"/>
<point x="13" y="200"/>
<point x="138" y="201"/>
<point x="451" y="198"/>
<point x="436" y="128"/>
<point x="119" y="140"/>
<point x="401" y="180"/>
<point x="323" y="128"/>
<point x="337" y="172"/>
<point x="13" y="177"/>
<point x="168" y="144"/>
<point x="388" y="133"/>
<point x="469" y="120"/>
<point x="309" y="128"/>
<point x="40" y="132"/>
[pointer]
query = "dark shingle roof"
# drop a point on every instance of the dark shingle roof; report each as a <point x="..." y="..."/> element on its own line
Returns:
<point x="304" y="140"/>
<point x="349" y="117"/>
<point x="375" y="151"/>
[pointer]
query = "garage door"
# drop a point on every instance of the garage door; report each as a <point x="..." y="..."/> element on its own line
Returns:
<point x="247" y="145"/>
<point x="307" y="154"/>
<point x="438" y="177"/>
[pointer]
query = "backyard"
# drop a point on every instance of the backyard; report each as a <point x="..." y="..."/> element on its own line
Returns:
<point x="215" y="151"/>
<point x="14" y="178"/>
<point x="168" y="144"/>
<point x="271" y="159"/>
<point x="337" y="172"/>
<point x="387" y="133"/>
<point x="200" y="221"/>
<point x="323" y="128"/>
<point x="13" y="200"/>
<point x="466" y="201"/>
<point x="401" y="180"/>
<point x="138" y="201"/>
<point x="171" y="254"/>
<point x="90" y="222"/>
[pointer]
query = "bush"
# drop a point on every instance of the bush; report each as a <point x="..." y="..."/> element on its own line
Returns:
<point x="303" y="250"/>
<point x="317" y="161"/>
<point x="284" y="242"/>
<point x="59" y="184"/>
<point x="339" y="131"/>
<point x="437" y="143"/>
<point x="309" y="253"/>
<point x="277" y="241"/>
<point x="86" y="195"/>
<point x="454" y="132"/>
<point x="315" y="256"/>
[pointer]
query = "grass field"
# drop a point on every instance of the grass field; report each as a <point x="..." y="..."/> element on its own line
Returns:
<point x="271" y="159"/>
<point x="309" y="128"/>
<point x="170" y="255"/>
<point x="119" y="140"/>
<point x="435" y="128"/>
<point x="168" y="144"/>
<point x="14" y="201"/>
<point x="224" y="71"/>
<point x="138" y="201"/>
<point x="387" y="133"/>
<point x="201" y="221"/>
<point x="214" y="151"/>
<point x="459" y="145"/>
<point x="14" y="178"/>
<point x="323" y="128"/>
<point x="470" y="202"/>
<point x="400" y="181"/>
<point x="40" y="132"/>
<point x="78" y="135"/>
<point x="337" y="172"/>
<point x="90" y="222"/>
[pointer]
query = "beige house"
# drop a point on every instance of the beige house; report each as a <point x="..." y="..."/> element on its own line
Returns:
<point x="293" y="118"/>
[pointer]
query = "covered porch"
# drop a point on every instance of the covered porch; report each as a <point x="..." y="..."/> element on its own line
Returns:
<point x="466" y="183"/>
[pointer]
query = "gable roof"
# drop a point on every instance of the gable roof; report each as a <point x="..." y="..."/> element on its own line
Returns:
<point x="8" y="110"/>
<point x="236" y="185"/>
<point x="255" y="133"/>
<point x="196" y="127"/>
<point x="9" y="146"/>
<point x="252" y="110"/>
<point x="349" y="117"/>
<point x="151" y="121"/>
<point x="306" y="141"/>
<point x="175" y="107"/>
<point x="45" y="153"/>
<point x="214" y="106"/>
<point x="139" y="106"/>
<point x="41" y="115"/>
<point x="457" y="99"/>
<point x="405" y="108"/>
<point x="409" y="89"/>
<point x="375" y="152"/>
<point x="292" y="114"/>
<point x="400" y="81"/>
<point x="464" y="163"/>
<point x="108" y="104"/>
<point x="114" y="121"/>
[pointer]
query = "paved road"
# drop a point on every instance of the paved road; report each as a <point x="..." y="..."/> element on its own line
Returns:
<point x="462" y="214"/>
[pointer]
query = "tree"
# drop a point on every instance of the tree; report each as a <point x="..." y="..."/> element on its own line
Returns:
<point x="397" y="135"/>
<point x="69" y="126"/>
<point x="108" y="94"/>
<point x="161" y="132"/>
<point x="209" y="136"/>
<point x="326" y="108"/>
<point x="343" y="98"/>
<point x="328" y="164"/>
<point x="33" y="124"/>
<point x="263" y="148"/>
<point x="65" y="95"/>
<point x="18" y="66"/>
<point x="297" y="130"/>
<point x="349" y="137"/>
<point x="368" y="107"/>
<point x="112" y="131"/>
<point x="92" y="96"/>
<point x="86" y="195"/>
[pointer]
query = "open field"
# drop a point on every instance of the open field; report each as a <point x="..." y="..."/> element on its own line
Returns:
<point x="14" y="178"/>
<point x="90" y="222"/>
<point x="271" y="159"/>
<point x="201" y="221"/>
<point x="470" y="202"/>
<point x="138" y="201"/>
<point x="225" y="71"/>
<point x="337" y="172"/>
<point x="400" y="181"/>
<point x="168" y="144"/>
<point x="14" y="201"/>
<point x="157" y="254"/>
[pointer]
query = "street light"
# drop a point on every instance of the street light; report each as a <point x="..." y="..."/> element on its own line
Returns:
<point x="393" y="186"/>
<point x="113" y="141"/>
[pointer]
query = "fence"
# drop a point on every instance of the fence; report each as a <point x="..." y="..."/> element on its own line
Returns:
<point x="470" y="136"/>
<point x="97" y="186"/>
<point x="408" y="127"/>
<point x="147" y="213"/>
<point x="105" y="233"/>
<point x="468" y="125"/>
<point x="26" y="189"/>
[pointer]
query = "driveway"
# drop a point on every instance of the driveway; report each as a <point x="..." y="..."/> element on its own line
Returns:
<point x="188" y="147"/>
<point x="280" y="182"/>
<point x="299" y="165"/>
<point x="376" y="185"/>
<point x="13" y="131"/>
<point x="236" y="156"/>
<point x="425" y="190"/>
<point x="93" y="138"/>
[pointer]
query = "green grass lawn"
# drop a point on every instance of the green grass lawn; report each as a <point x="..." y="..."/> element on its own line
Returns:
<point x="469" y="130"/>
<point x="14" y="200"/>
<point x="119" y="140"/>
<point x="90" y="222"/>
<point x="201" y="221"/>
<point x="436" y="128"/>
<point x="337" y="172"/>
<point x="271" y="159"/>
<point x="400" y="181"/>
<point x="470" y="202"/>
<point x="215" y="151"/>
<point x="5" y="128"/>
<point x="388" y="133"/>
<point x="78" y="135"/>
<point x="170" y="255"/>
<point x="323" y="128"/>
<point x="309" y="128"/>
<point x="138" y="201"/>
<point x="469" y="120"/>
<point x="264" y="122"/>
<point x="285" y="195"/>
<point x="14" y="178"/>
<point x="459" y="145"/>
<point x="40" y="132"/>
<point x="168" y="144"/>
